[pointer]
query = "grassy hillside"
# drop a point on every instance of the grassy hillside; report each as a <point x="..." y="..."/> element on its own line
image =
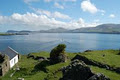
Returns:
<point x="103" y="28"/>
<point x="5" y="34"/>
<point x="110" y="57"/>
<point x="27" y="66"/>
<point x="110" y="74"/>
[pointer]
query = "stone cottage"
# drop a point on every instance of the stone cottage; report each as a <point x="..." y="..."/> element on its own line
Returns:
<point x="10" y="59"/>
<point x="4" y="66"/>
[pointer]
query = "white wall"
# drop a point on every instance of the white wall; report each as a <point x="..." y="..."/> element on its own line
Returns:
<point x="13" y="61"/>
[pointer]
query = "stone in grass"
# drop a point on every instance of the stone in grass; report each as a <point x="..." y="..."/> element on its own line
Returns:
<point x="77" y="70"/>
<point x="20" y="78"/>
<point x="98" y="76"/>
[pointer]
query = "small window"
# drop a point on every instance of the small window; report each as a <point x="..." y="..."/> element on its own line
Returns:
<point x="14" y="60"/>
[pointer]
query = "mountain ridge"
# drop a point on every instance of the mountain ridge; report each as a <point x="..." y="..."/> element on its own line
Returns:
<point x="103" y="28"/>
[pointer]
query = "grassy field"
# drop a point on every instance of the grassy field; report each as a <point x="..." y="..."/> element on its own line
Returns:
<point x="5" y="34"/>
<point x="27" y="66"/>
<point x="110" y="74"/>
<point x="111" y="57"/>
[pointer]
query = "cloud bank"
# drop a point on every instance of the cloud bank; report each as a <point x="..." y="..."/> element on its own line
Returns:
<point x="55" y="14"/>
<point x="34" y="21"/>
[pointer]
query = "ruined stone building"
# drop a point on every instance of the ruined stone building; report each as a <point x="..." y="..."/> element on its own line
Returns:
<point x="10" y="58"/>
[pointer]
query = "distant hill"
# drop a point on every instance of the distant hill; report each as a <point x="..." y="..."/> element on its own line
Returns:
<point x="12" y="31"/>
<point x="23" y="32"/>
<point x="104" y="28"/>
<point x="57" y="30"/>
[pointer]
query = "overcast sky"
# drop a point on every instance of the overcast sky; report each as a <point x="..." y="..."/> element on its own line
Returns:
<point x="46" y="14"/>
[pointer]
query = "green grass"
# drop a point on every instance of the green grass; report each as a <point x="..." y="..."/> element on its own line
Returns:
<point x="111" y="57"/>
<point x="27" y="66"/>
<point x="44" y="54"/>
<point x="110" y="74"/>
<point x="5" y="34"/>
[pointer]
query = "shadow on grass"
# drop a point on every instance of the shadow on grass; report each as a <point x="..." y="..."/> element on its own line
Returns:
<point x="42" y="66"/>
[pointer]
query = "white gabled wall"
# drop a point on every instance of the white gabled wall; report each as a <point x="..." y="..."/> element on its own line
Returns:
<point x="13" y="61"/>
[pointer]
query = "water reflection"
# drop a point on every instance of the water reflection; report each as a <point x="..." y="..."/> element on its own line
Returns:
<point x="75" y="42"/>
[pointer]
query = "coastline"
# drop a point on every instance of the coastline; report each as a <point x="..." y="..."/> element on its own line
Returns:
<point x="27" y="65"/>
<point x="10" y="34"/>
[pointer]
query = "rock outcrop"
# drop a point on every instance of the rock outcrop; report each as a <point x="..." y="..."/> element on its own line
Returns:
<point x="78" y="70"/>
<point x="40" y="58"/>
<point x="58" y="54"/>
<point x="98" y="64"/>
<point x="98" y="76"/>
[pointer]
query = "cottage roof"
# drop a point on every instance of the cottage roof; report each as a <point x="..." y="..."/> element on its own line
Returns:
<point x="10" y="52"/>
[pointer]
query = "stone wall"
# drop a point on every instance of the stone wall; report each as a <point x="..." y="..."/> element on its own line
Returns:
<point x="4" y="66"/>
<point x="95" y="63"/>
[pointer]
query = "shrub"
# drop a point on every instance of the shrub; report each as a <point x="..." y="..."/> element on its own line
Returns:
<point x="57" y="54"/>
